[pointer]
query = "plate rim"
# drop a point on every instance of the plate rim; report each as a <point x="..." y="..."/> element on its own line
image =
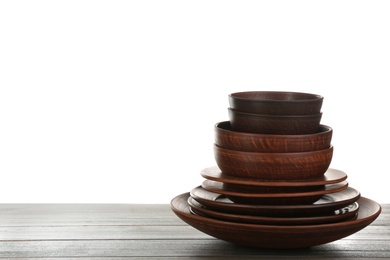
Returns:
<point x="269" y="219"/>
<point x="284" y="209"/>
<point x="219" y="176"/>
<point x="331" y="188"/>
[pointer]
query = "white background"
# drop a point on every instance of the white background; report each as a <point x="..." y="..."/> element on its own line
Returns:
<point x="115" y="101"/>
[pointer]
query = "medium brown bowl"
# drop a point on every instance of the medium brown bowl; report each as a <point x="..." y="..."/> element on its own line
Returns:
<point x="276" y="102"/>
<point x="274" y="124"/>
<point x="225" y="137"/>
<point x="273" y="166"/>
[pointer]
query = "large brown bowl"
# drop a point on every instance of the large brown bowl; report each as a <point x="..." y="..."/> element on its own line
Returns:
<point x="273" y="166"/>
<point x="225" y="137"/>
<point x="274" y="124"/>
<point x="276" y="102"/>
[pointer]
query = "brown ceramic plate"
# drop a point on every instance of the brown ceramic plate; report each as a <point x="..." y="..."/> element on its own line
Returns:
<point x="343" y="214"/>
<point x="217" y="187"/>
<point x="276" y="236"/>
<point x="330" y="176"/>
<point x="326" y="205"/>
<point x="246" y="194"/>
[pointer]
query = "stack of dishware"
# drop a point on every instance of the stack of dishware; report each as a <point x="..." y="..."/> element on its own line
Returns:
<point x="272" y="186"/>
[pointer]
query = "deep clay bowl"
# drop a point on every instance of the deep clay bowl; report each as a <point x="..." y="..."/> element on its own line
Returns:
<point x="276" y="102"/>
<point x="274" y="124"/>
<point x="273" y="166"/>
<point x="225" y="137"/>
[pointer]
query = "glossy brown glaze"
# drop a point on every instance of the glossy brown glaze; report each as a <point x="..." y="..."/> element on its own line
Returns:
<point x="274" y="124"/>
<point x="225" y="137"/>
<point x="276" y="102"/>
<point x="273" y="166"/>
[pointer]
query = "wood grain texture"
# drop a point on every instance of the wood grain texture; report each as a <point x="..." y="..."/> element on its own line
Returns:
<point x="119" y="231"/>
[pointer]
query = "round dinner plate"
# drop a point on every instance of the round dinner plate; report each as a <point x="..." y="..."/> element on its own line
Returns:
<point x="343" y="214"/>
<point x="276" y="236"/>
<point x="330" y="176"/>
<point x="326" y="205"/>
<point x="217" y="187"/>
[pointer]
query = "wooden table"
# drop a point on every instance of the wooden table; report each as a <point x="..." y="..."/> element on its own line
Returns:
<point x="123" y="231"/>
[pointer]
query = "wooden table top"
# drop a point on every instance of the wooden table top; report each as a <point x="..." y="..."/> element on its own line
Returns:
<point x="123" y="231"/>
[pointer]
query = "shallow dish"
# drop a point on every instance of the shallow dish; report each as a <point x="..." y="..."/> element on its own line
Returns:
<point x="225" y="137"/>
<point x="324" y="206"/>
<point x="330" y="176"/>
<point x="276" y="236"/>
<point x="343" y="214"/>
<point x="282" y="198"/>
<point x="276" y="102"/>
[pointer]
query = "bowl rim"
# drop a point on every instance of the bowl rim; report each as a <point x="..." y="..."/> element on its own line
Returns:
<point x="237" y="112"/>
<point x="273" y="154"/>
<point x="326" y="130"/>
<point x="314" y="97"/>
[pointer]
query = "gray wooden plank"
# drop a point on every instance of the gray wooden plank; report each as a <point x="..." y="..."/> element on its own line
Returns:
<point x="82" y="221"/>
<point x="86" y="214"/>
<point x="31" y="208"/>
<point x="137" y="232"/>
<point x="318" y="257"/>
<point x="183" y="248"/>
<point x="99" y="232"/>
<point x="197" y="257"/>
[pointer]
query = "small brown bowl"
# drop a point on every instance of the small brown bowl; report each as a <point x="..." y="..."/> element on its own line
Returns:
<point x="273" y="166"/>
<point x="225" y="137"/>
<point x="274" y="124"/>
<point x="276" y="102"/>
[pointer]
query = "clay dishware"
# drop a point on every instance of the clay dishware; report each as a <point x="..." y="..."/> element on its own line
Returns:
<point x="345" y="213"/>
<point x="276" y="236"/>
<point x="247" y="195"/>
<point x="225" y="137"/>
<point x="274" y="124"/>
<point x="273" y="166"/>
<point x="331" y="176"/>
<point x="324" y="206"/>
<point x="276" y="102"/>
